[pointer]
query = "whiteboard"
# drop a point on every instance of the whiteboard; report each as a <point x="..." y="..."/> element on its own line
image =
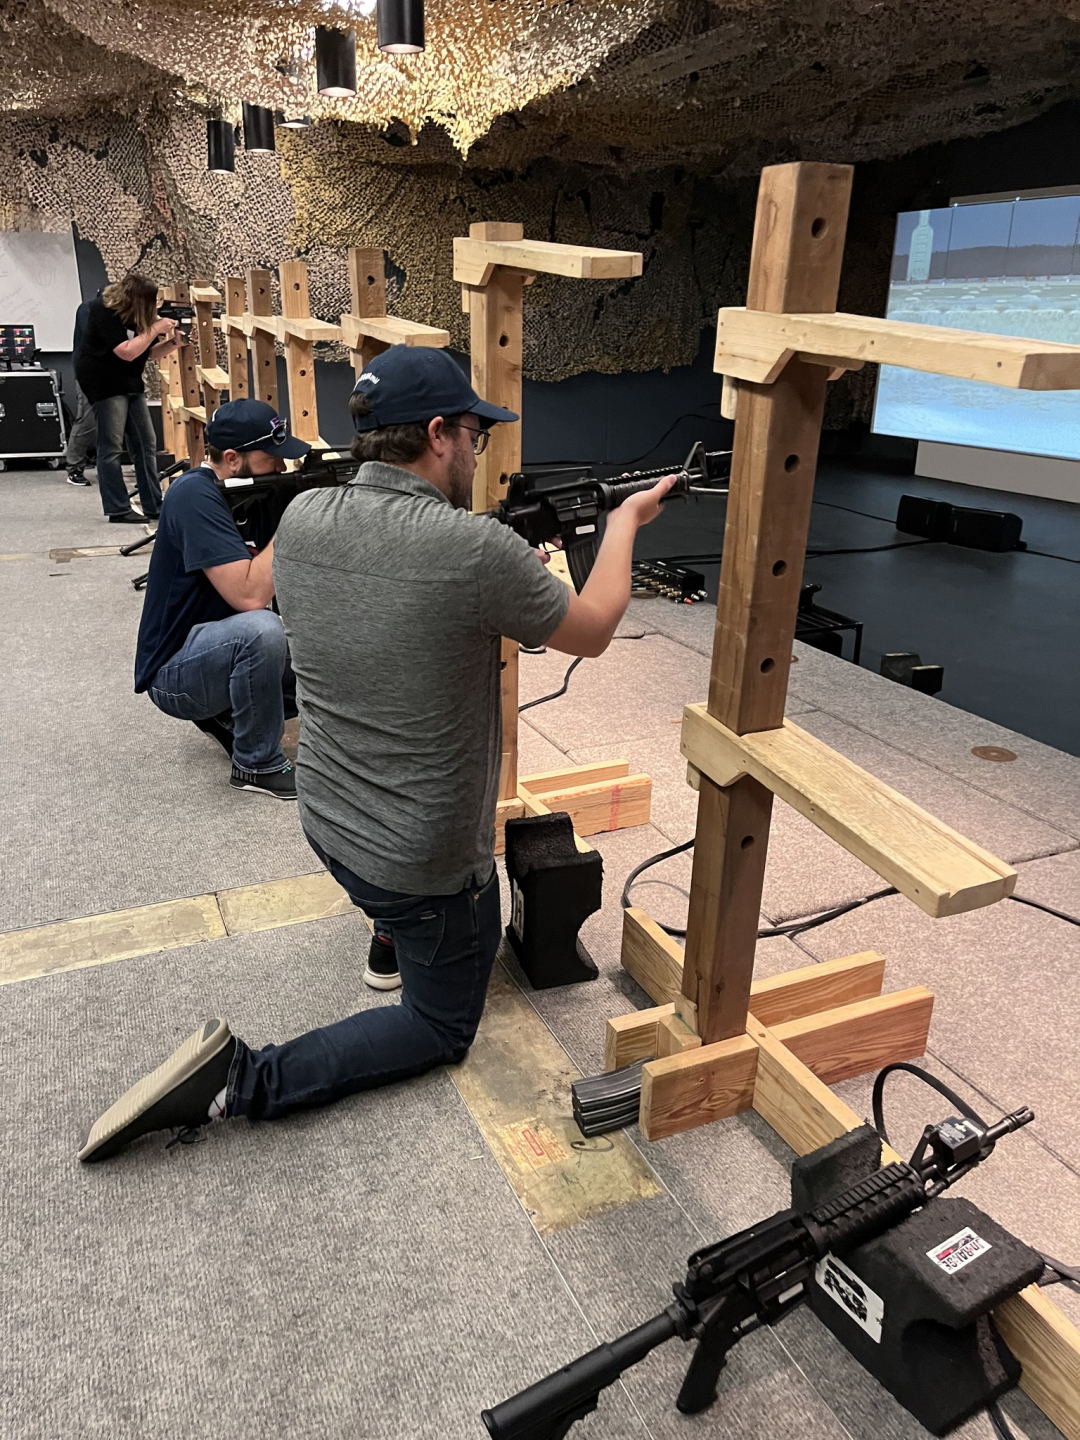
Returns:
<point x="39" y="285"/>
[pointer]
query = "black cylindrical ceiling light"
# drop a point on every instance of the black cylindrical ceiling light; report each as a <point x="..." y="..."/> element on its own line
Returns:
<point x="400" y="25"/>
<point x="291" y="122"/>
<point x="258" y="129"/>
<point x="220" y="147"/>
<point x="335" y="61"/>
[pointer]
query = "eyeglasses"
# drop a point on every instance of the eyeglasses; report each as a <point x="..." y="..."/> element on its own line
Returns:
<point x="480" y="438"/>
<point x="279" y="433"/>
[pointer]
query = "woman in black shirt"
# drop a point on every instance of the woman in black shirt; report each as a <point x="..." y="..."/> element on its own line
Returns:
<point x="122" y="331"/>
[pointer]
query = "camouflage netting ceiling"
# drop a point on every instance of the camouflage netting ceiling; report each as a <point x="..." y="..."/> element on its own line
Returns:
<point x="633" y="123"/>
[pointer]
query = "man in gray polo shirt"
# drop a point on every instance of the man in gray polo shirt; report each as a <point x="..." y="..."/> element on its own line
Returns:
<point x="395" y="599"/>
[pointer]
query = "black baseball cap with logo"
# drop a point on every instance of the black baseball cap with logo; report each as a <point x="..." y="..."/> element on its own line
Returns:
<point x="252" y="425"/>
<point x="408" y="383"/>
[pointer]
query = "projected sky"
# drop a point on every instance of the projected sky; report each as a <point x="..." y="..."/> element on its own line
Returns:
<point x="1008" y="268"/>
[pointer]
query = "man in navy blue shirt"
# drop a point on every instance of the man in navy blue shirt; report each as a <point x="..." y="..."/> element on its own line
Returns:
<point x="209" y="649"/>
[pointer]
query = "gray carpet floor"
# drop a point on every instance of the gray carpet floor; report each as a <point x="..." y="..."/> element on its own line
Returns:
<point x="366" y="1271"/>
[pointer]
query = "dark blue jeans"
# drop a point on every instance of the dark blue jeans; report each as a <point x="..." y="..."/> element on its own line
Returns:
<point x="240" y="664"/>
<point x="445" y="947"/>
<point x="117" y="415"/>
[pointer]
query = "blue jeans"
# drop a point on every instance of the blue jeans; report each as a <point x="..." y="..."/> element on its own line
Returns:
<point x="115" y="415"/>
<point x="445" y="947"/>
<point x="240" y="664"/>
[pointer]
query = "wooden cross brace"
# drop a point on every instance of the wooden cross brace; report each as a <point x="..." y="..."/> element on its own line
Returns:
<point x="494" y="263"/>
<point x="722" y="1041"/>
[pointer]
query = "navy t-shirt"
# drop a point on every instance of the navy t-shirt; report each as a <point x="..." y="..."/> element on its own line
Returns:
<point x="195" y="532"/>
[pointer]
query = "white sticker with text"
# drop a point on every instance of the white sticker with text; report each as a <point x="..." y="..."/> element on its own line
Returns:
<point x="959" y="1250"/>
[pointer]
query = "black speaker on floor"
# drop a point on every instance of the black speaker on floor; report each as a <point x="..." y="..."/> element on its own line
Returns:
<point x="913" y="1305"/>
<point x="553" y="889"/>
<point x="996" y="530"/>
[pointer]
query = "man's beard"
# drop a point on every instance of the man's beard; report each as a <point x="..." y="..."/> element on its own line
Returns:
<point x="245" y="471"/>
<point x="459" y="481"/>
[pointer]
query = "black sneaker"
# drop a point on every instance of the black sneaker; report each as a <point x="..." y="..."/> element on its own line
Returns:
<point x="220" y="728"/>
<point x="382" y="970"/>
<point x="177" y="1095"/>
<point x="75" y="476"/>
<point x="127" y="517"/>
<point x="279" y="783"/>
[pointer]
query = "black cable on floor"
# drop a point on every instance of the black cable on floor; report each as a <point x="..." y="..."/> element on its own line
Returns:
<point x="542" y="650"/>
<point x="1047" y="909"/>
<point x="870" y="549"/>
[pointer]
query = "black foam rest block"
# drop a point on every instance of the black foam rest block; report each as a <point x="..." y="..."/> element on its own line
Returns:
<point x="553" y="888"/>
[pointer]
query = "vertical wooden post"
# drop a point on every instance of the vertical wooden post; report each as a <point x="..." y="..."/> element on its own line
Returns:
<point x="189" y="387"/>
<point x="204" y="327"/>
<point x="171" y="430"/>
<point x="367" y="298"/>
<point x="236" y="304"/>
<point x="794" y="267"/>
<point x="264" y="367"/>
<point x="299" y="353"/>
<point x="495" y="324"/>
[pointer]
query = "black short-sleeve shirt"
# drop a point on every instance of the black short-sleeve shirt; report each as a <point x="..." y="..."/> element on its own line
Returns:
<point x="99" y="372"/>
<point x="196" y="531"/>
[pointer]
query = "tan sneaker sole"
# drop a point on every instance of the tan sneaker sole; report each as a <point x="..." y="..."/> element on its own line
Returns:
<point x="184" y="1062"/>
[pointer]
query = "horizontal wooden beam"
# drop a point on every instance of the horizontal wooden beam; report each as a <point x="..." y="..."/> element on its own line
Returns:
<point x="681" y="1092"/>
<point x="391" y="330"/>
<point x="304" y="327"/>
<point x="259" y="324"/>
<point x="865" y="1035"/>
<point x="474" y="260"/>
<point x="628" y="1038"/>
<point x="206" y="295"/>
<point x="213" y="376"/>
<point x="928" y="861"/>
<point x="755" y="346"/>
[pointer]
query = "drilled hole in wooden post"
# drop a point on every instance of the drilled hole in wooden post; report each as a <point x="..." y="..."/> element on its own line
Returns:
<point x="791" y="463"/>
<point x="504" y="339"/>
<point x="296" y="285"/>
<point x="503" y="478"/>
<point x="371" y="279"/>
<point x="766" y="666"/>
<point x="818" y="227"/>
<point x="780" y="567"/>
<point x="746" y="842"/>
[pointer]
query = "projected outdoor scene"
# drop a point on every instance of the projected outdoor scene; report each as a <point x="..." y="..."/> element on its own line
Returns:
<point x="1007" y="269"/>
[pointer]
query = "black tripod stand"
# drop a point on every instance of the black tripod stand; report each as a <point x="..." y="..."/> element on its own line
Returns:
<point x="140" y="580"/>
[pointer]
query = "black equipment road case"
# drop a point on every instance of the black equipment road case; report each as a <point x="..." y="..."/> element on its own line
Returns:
<point x="32" y="424"/>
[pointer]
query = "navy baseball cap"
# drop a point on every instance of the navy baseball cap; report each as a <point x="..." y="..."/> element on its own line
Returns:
<point x="410" y="383"/>
<point x="253" y="425"/>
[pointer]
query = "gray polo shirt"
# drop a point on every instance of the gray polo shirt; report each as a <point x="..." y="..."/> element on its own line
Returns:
<point x="394" y="604"/>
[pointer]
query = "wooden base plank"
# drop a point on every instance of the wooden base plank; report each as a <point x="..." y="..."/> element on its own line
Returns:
<point x="680" y="1092"/>
<point x="813" y="988"/>
<point x="633" y="1037"/>
<point x="852" y="1039"/>
<point x="675" y="1037"/>
<point x="547" y="782"/>
<point x="606" y="805"/>
<point x="651" y="956"/>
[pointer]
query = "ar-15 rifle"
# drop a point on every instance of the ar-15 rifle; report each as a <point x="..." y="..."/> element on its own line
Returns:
<point x="752" y="1279"/>
<point x="557" y="505"/>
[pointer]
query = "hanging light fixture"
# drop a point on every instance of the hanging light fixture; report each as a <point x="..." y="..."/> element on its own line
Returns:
<point x="292" y="122"/>
<point x="258" y="129"/>
<point x="335" y="61"/>
<point x="400" y="26"/>
<point x="220" y="147"/>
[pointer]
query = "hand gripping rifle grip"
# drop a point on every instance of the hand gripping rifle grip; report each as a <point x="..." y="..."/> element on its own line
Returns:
<point x="616" y="491"/>
<point x="866" y="1209"/>
<point x="546" y="1410"/>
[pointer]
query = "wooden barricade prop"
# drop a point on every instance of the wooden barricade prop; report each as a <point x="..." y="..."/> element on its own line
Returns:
<point x="723" y="1042"/>
<point x="494" y="264"/>
<point x="368" y="330"/>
